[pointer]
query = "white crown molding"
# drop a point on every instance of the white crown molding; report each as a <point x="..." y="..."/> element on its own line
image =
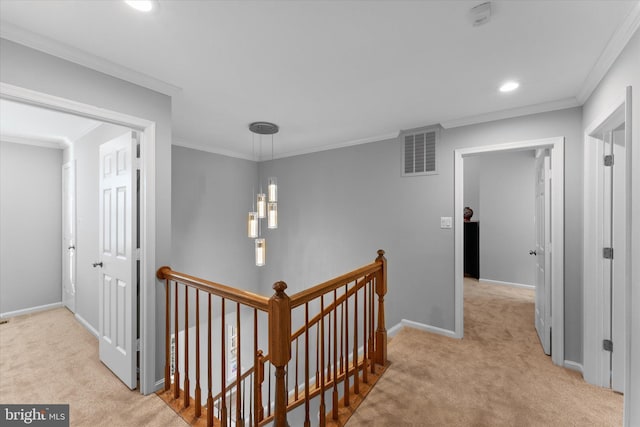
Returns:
<point x="351" y="143"/>
<point x="544" y="107"/>
<point x="57" y="143"/>
<point x="36" y="41"/>
<point x="610" y="53"/>
<point x="213" y="150"/>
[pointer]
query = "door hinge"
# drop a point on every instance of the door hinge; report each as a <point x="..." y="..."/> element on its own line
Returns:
<point x="138" y="254"/>
<point x="608" y="160"/>
<point x="138" y="163"/>
<point x="138" y="344"/>
<point x="607" y="253"/>
<point x="607" y="345"/>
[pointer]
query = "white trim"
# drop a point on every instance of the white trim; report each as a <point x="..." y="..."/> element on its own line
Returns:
<point x="391" y="332"/>
<point x="87" y="325"/>
<point x="428" y="328"/>
<point x="544" y="107"/>
<point x="574" y="366"/>
<point x="53" y="143"/>
<point x="29" y="310"/>
<point x="511" y="284"/>
<point x="610" y="53"/>
<point x="557" y="233"/>
<point x="147" y="208"/>
<point x="51" y="47"/>
<point x="159" y="384"/>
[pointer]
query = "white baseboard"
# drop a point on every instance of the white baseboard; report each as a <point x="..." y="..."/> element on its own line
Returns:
<point x="87" y="325"/>
<point x="159" y="384"/>
<point x="574" y="366"/>
<point x="31" y="310"/>
<point x="427" y="328"/>
<point x="394" y="330"/>
<point x="513" y="285"/>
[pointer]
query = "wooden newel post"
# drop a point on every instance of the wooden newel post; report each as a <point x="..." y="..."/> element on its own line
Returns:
<point x="280" y="347"/>
<point x="259" y="379"/>
<point x="381" y="291"/>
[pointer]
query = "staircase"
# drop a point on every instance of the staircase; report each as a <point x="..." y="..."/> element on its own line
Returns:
<point x="217" y="373"/>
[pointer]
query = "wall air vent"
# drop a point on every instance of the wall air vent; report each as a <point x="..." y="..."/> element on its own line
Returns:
<point x="419" y="151"/>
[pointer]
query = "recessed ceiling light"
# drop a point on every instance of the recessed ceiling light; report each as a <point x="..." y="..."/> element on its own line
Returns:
<point x="141" y="5"/>
<point x="509" y="86"/>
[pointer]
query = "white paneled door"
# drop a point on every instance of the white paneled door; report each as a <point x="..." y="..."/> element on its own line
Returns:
<point x="543" y="242"/>
<point x="118" y="272"/>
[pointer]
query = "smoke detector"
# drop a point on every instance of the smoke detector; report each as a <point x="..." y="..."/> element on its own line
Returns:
<point x="481" y="14"/>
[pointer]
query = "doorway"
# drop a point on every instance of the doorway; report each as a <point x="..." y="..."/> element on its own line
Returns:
<point x="606" y="247"/>
<point x="147" y="209"/>
<point x="556" y="150"/>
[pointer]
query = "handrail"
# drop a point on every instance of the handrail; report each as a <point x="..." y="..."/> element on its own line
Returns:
<point x="244" y="297"/>
<point x="312" y="293"/>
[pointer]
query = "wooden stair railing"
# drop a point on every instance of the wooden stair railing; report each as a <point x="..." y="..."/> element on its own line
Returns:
<point x="348" y="334"/>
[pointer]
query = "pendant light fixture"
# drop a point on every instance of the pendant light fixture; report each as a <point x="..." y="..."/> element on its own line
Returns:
<point x="266" y="204"/>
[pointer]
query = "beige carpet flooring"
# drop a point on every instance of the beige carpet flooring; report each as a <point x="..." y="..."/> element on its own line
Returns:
<point x="49" y="358"/>
<point x="496" y="376"/>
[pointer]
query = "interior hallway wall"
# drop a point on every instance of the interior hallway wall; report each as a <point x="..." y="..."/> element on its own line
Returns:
<point x="30" y="226"/>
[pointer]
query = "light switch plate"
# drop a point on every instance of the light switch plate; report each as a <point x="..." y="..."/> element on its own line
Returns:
<point x="446" y="222"/>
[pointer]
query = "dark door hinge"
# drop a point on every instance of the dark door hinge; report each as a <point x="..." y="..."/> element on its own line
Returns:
<point x="607" y="345"/>
<point x="607" y="253"/>
<point x="608" y="160"/>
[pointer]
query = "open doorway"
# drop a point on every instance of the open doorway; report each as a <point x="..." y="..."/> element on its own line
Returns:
<point x="146" y="131"/>
<point x="555" y="147"/>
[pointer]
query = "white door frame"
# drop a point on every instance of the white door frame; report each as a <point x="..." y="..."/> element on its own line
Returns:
<point x="147" y="208"/>
<point x="69" y="215"/>
<point x="556" y="146"/>
<point x="594" y="369"/>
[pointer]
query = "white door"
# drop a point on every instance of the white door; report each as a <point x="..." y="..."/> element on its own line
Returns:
<point x="69" y="236"/>
<point x="118" y="273"/>
<point x="541" y="252"/>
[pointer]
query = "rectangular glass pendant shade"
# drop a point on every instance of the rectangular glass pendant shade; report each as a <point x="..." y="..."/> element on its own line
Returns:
<point x="272" y="189"/>
<point x="272" y="215"/>
<point x="252" y="225"/>
<point x="262" y="205"/>
<point x="261" y="252"/>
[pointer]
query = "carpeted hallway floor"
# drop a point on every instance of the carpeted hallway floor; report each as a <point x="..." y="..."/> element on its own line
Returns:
<point x="496" y="376"/>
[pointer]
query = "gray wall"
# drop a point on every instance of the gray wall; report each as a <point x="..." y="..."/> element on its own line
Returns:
<point x="28" y="68"/>
<point x="86" y="154"/>
<point x="212" y="195"/>
<point x="337" y="207"/>
<point x="30" y="226"/>
<point x="626" y="72"/>
<point x="506" y="194"/>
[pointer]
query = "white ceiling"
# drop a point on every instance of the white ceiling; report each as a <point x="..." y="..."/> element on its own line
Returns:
<point x="23" y="123"/>
<point x="333" y="73"/>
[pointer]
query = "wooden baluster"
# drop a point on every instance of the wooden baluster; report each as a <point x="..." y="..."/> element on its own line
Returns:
<point x="323" y="409"/>
<point x="239" y="405"/>
<point x="197" y="396"/>
<point x="259" y="379"/>
<point x="345" y="397"/>
<point x="167" y="336"/>
<point x="307" y="421"/>
<point x="342" y="336"/>
<point x="209" y="367"/>
<point x="176" y="374"/>
<point x="223" y="369"/>
<point x="381" y="291"/>
<point x="280" y="347"/>
<point x="372" y="352"/>
<point x="296" y="378"/>
<point x="356" y="374"/>
<point x="329" y="370"/>
<point x="365" y="337"/>
<point x="187" y="395"/>
<point x="269" y="391"/>
<point x="318" y="352"/>
<point x="335" y="357"/>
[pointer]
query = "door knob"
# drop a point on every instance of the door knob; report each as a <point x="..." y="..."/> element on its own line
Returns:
<point x="97" y="264"/>
<point x="71" y="247"/>
<point x="533" y="252"/>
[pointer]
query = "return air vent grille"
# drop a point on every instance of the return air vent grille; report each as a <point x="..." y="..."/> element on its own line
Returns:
<point x="419" y="153"/>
